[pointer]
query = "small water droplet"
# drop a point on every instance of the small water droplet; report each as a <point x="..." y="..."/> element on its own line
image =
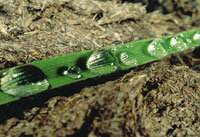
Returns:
<point x="196" y="37"/>
<point x="24" y="81"/>
<point x="156" y="49"/>
<point x="73" y="72"/>
<point x="178" y="42"/>
<point x="128" y="58"/>
<point x="101" y="62"/>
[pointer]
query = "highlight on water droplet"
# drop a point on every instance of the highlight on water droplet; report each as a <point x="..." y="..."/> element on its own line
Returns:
<point x="102" y="61"/>
<point x="24" y="81"/>
<point x="196" y="37"/>
<point x="73" y="72"/>
<point x="156" y="49"/>
<point x="127" y="58"/>
<point x="178" y="42"/>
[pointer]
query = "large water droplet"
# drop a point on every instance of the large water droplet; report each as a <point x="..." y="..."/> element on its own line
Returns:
<point x="101" y="62"/>
<point x="73" y="72"/>
<point x="178" y="43"/>
<point x="196" y="37"/>
<point x="156" y="49"/>
<point x="128" y="58"/>
<point x="24" y="81"/>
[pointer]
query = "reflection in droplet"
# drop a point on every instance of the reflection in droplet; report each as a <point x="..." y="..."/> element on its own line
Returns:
<point x="129" y="45"/>
<point x="196" y="37"/>
<point x="73" y="72"/>
<point x="128" y="58"/>
<point x="188" y="40"/>
<point x="101" y="62"/>
<point x="156" y="49"/>
<point x="178" y="43"/>
<point x="24" y="81"/>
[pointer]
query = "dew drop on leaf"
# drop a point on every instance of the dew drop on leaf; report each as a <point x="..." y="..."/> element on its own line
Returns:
<point x="102" y="61"/>
<point x="156" y="49"/>
<point x="73" y="72"/>
<point x="128" y="58"/>
<point x="24" y="81"/>
<point x="178" y="43"/>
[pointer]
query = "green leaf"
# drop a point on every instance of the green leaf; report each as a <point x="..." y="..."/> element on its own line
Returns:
<point x="52" y="73"/>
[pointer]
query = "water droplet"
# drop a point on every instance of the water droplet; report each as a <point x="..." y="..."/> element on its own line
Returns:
<point x="178" y="42"/>
<point x="196" y="37"/>
<point x="128" y="58"/>
<point x="156" y="49"/>
<point x="101" y="62"/>
<point x="24" y="81"/>
<point x="73" y="72"/>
